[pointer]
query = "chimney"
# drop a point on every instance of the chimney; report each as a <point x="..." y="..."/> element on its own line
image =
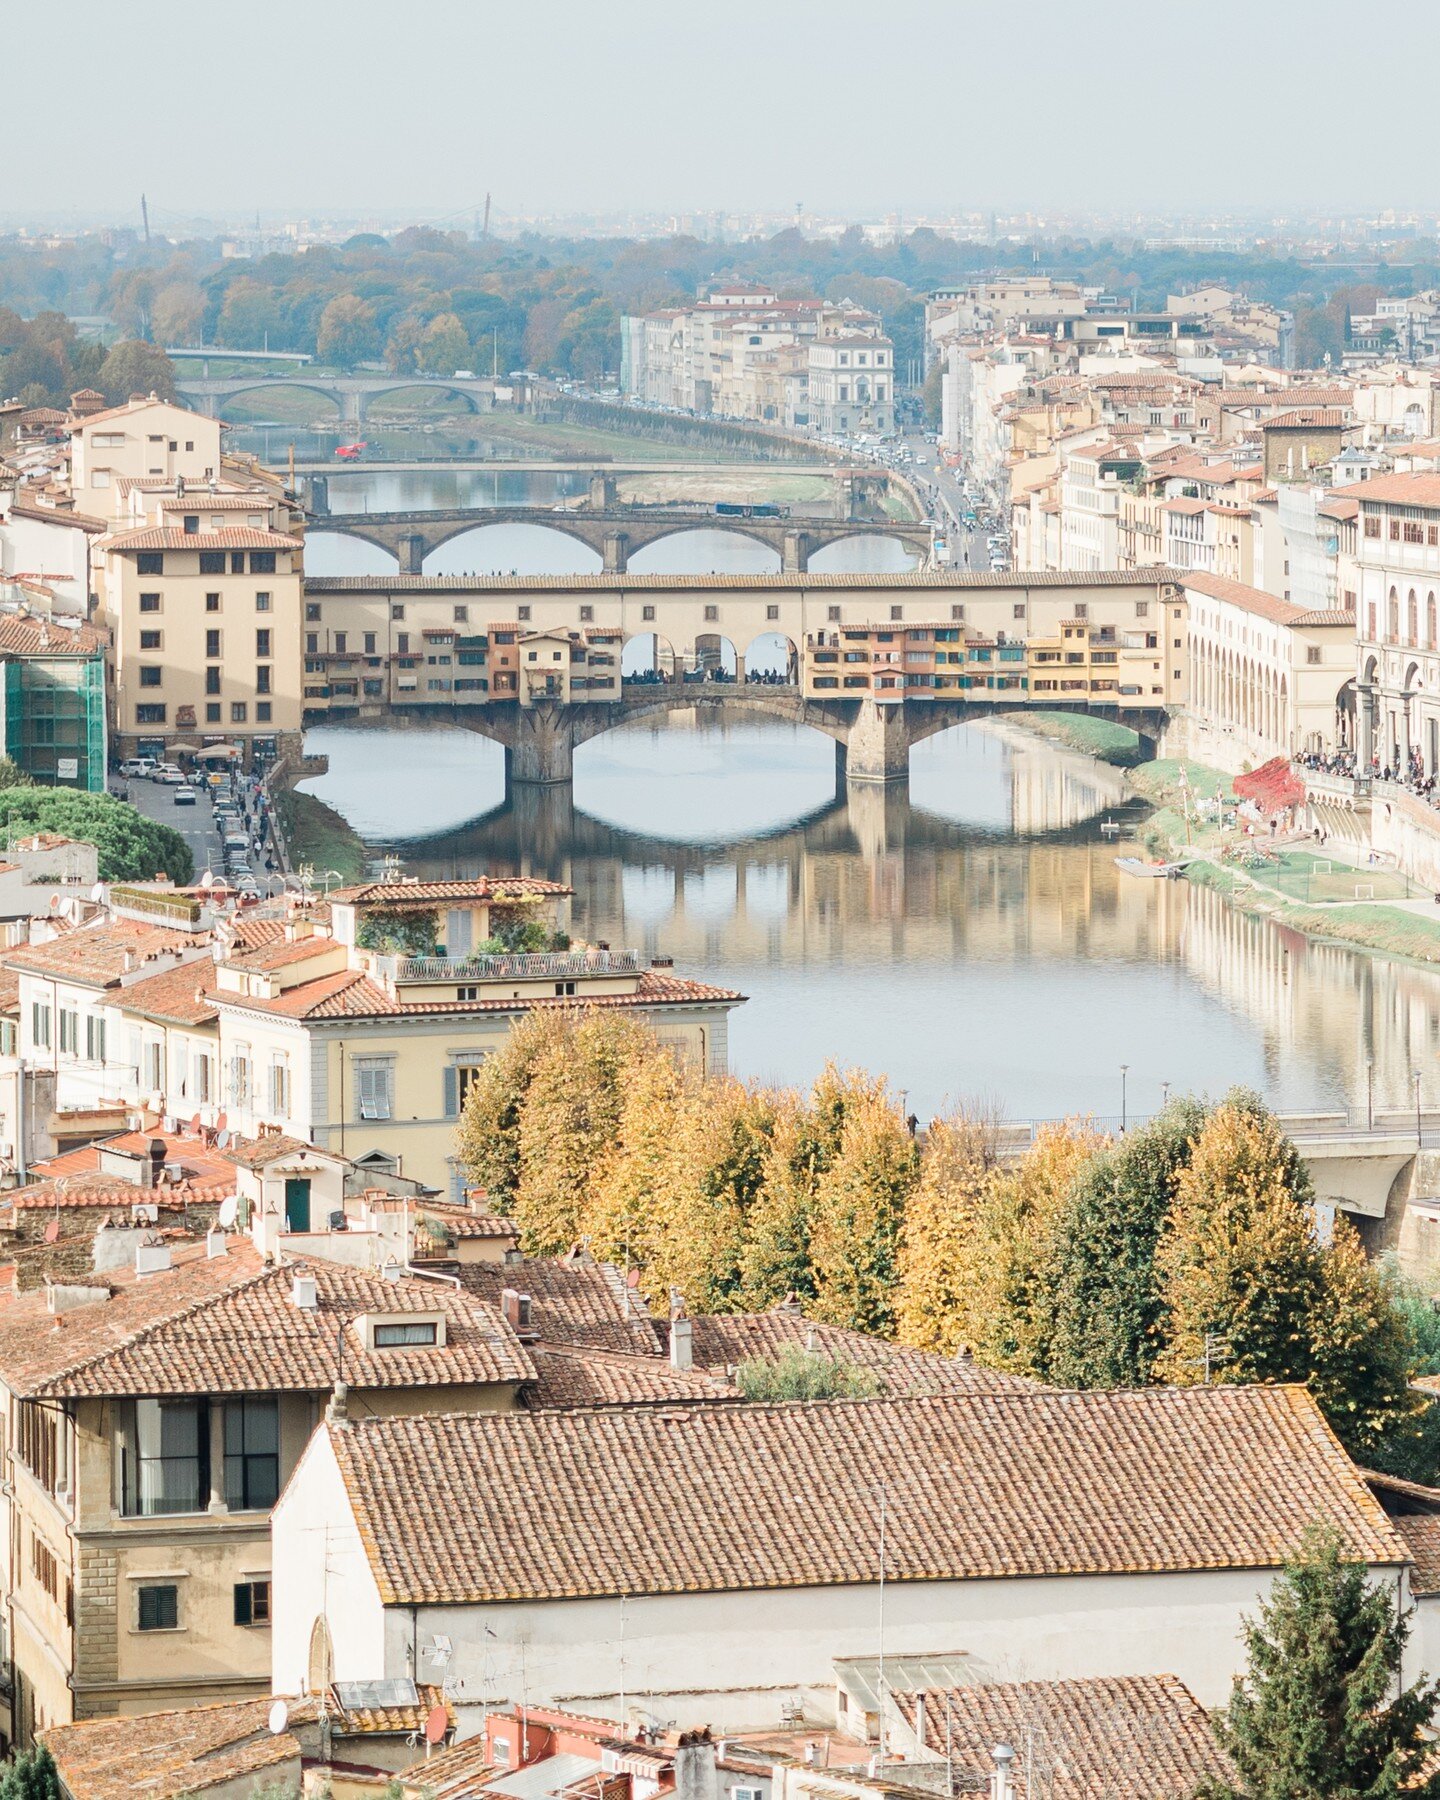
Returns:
<point x="682" y="1349"/>
<point x="214" y="1243"/>
<point x="1001" y="1786"/>
<point x="303" y="1293"/>
<point x="157" y="1161"/>
<point x="516" y="1308"/>
<point x="337" y="1412"/>
<point x="152" y="1259"/>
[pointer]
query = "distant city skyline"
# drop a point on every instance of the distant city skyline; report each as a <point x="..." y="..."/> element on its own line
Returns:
<point x="920" y="110"/>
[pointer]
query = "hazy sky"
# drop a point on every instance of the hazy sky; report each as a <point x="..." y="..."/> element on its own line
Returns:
<point x="855" y="107"/>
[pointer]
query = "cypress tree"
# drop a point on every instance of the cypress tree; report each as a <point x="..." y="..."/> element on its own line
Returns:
<point x="31" y="1775"/>
<point x="1317" y="1712"/>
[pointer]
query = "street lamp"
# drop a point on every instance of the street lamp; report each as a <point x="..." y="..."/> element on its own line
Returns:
<point x="1124" y="1116"/>
<point x="1164" y="1095"/>
<point x="1370" y="1093"/>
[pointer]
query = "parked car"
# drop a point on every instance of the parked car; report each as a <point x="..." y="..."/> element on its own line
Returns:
<point x="184" y="796"/>
<point x="138" y="767"/>
<point x="170" y="774"/>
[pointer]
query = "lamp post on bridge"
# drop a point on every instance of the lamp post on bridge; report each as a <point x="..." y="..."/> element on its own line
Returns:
<point x="1124" y="1080"/>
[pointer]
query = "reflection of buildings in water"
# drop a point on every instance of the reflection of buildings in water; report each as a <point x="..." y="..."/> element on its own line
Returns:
<point x="1052" y="788"/>
<point x="1343" y="1006"/>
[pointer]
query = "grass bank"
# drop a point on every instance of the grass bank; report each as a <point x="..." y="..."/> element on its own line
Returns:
<point x="316" y="834"/>
<point x="1107" y="743"/>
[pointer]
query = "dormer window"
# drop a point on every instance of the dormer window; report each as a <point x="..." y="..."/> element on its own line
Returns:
<point x="396" y="1337"/>
<point x="401" y="1331"/>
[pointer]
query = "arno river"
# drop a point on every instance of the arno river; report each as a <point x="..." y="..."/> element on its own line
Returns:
<point x="971" y="938"/>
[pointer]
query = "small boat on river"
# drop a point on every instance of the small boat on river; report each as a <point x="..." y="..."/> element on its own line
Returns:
<point x="1155" y="871"/>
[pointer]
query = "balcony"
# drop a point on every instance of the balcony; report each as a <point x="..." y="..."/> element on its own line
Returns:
<point x="544" y="965"/>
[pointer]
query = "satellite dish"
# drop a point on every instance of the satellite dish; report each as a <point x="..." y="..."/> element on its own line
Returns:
<point x="196" y="1123"/>
<point x="52" y="1231"/>
<point x="221" y="1120"/>
<point x="632" y="1280"/>
<point x="207" y="879"/>
<point x="223" y="1139"/>
<point x="437" y="1723"/>
<point x="97" y="893"/>
<point x="279" y="1718"/>
<point x="229" y="1212"/>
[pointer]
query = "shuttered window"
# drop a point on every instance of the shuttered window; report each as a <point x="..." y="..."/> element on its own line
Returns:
<point x="375" y="1087"/>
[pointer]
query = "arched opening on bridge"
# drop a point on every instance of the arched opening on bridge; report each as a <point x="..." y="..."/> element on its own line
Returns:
<point x="714" y="659"/>
<point x="284" y="402"/>
<point x="512" y="550"/>
<point x="649" y="660"/>
<point x="866" y="554"/>
<point x="772" y="660"/>
<point x="329" y="552"/>
<point x="428" y="397"/>
<point x="705" y="552"/>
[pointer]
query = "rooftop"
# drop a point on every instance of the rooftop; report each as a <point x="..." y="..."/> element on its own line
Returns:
<point x="485" y="890"/>
<point x="164" y="1755"/>
<point x="711" y="1498"/>
<point x="99" y="955"/>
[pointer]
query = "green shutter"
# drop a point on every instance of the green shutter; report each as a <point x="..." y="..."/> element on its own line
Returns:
<point x="452" y="1092"/>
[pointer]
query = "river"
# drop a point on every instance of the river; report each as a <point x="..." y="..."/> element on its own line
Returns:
<point x="972" y="937"/>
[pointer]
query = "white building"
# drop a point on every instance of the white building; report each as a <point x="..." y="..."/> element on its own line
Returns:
<point x="1398" y="676"/>
<point x="708" y="1558"/>
<point x="852" y="385"/>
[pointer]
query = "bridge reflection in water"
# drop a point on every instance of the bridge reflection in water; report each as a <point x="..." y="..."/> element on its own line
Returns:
<point x="971" y="937"/>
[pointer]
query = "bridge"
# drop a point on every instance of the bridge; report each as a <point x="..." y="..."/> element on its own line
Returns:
<point x="322" y="473"/>
<point x="614" y="533"/>
<point x="351" y="394"/>
<point x="205" y="353"/>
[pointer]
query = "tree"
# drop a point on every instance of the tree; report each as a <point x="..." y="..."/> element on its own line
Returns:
<point x="179" y="313"/>
<point x="31" y="1775"/>
<point x="490" y="1126"/>
<point x="1317" y="1712"/>
<point x="135" y="367"/>
<point x="132" y="847"/>
<point x="775" y="1261"/>
<point x="402" y="346"/>
<point x="1107" y="1302"/>
<point x="444" y="347"/>
<point x="859" y="1205"/>
<point x="347" y="334"/>
<point x="958" y="1167"/>
<point x="623" y="1214"/>
<point x="1362" y="1356"/>
<point x="799" y="1374"/>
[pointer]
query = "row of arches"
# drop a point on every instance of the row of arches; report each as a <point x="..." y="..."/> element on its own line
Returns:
<point x="769" y="659"/>
<point x="536" y="549"/>
<point x="1413" y="614"/>
<point x="403" y="397"/>
<point x="1241" y="694"/>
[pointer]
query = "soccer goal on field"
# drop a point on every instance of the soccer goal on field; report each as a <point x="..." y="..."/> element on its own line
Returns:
<point x="1364" y="890"/>
<point x="1322" y="866"/>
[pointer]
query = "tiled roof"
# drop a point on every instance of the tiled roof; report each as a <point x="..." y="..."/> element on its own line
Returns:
<point x="1119" y="1737"/>
<point x="723" y="1340"/>
<point x="1238" y="593"/>
<point x="270" y="1147"/>
<point x="392" y="1720"/>
<point x="278" y="953"/>
<point x="1419" y="489"/>
<point x="228" y="1324"/>
<point x="812" y="584"/>
<point x="96" y="955"/>
<point x="390" y="894"/>
<point x="574" y="1300"/>
<point x="571" y="1376"/>
<point x="112" y="1193"/>
<point x="459" y="1773"/>
<point x="349" y="994"/>
<point x="22" y="634"/>
<point x="1421" y="1532"/>
<point x="163" y="1755"/>
<point x="478" y="1509"/>
<point x="169" y="537"/>
<point x="181" y="996"/>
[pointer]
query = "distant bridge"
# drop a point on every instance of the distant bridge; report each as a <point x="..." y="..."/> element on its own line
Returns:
<point x="204" y="353"/>
<point x="352" y="394"/>
<point x="614" y="533"/>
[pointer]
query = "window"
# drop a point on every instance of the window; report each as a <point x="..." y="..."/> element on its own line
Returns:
<point x="44" y="1567"/>
<point x="262" y="641"/>
<point x="149" y="715"/>
<point x="280" y="1086"/>
<point x="1142" y="609"/>
<point x="212" y="714"/>
<point x="154" y="1068"/>
<point x="252" y="1602"/>
<point x="150" y="562"/>
<point x="69" y="1031"/>
<point x="369" y="643"/>
<point x="192" y="524"/>
<point x="149" y="640"/>
<point x="897" y="612"/>
<point x="164" y="1458"/>
<point x="564" y="987"/>
<point x="212" y="680"/>
<point x="262" y="602"/>
<point x="158" y="1608"/>
<point x="312" y="612"/>
<point x="238" y="712"/>
<point x="262" y="562"/>
<point x="212" y="603"/>
<point x="1017" y="611"/>
<point x="957" y="612"/>
<point x="397" y="612"/>
<point x="95" y="1039"/>
<point x="461" y="616"/>
<point x="149" y="603"/>
<point x="212" y="562"/>
<point x="312" y="643"/>
<point x="212" y="643"/>
<point x="712" y="614"/>
<point x="262" y="679"/>
<point x="395" y="1337"/>
<point x="522" y="612"/>
<point x="647" y="612"/>
<point x="262" y="712"/>
<point x="150" y="675"/>
<point x="402" y="641"/>
<point x="1312" y="653"/>
<point x="587" y="615"/>
<point x="833" y="614"/>
<point x="252" y="1454"/>
<point x="375" y="1087"/>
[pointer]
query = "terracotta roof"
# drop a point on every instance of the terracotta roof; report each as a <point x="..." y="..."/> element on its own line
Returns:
<point x="1308" y="418"/>
<point x="167" y="537"/>
<point x="228" y="1324"/>
<point x="1421" y="1532"/>
<point x="478" y="1509"/>
<point x="52" y="515"/>
<point x="1253" y="600"/>
<point x="1119" y="1737"/>
<point x="271" y="1147"/>
<point x="279" y="952"/>
<point x="459" y="1773"/>
<point x="1326" y="616"/>
<point x="723" y="1340"/>
<point x="351" y="994"/>
<point x="22" y="634"/>
<point x="392" y="1720"/>
<point x="95" y="956"/>
<point x="572" y="1376"/>
<point x="163" y="1755"/>
<point x="200" y="500"/>
<point x="814" y="585"/>
<point x="430" y="893"/>
<point x="138" y="404"/>
<point x="99" y="1192"/>
<point x="181" y="996"/>
<point x="1419" y="489"/>
<point x="574" y="1300"/>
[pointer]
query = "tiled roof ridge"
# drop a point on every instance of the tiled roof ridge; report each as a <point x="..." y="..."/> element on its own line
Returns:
<point x="186" y="1310"/>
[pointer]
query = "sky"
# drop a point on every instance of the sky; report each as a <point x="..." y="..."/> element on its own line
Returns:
<point x="845" y="107"/>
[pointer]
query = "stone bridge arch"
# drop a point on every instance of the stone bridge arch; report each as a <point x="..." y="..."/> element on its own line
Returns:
<point x="284" y="385"/>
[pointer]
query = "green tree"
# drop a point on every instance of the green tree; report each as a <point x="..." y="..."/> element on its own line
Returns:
<point x="31" y="1775"/>
<point x="135" y="367"/>
<point x="776" y="1258"/>
<point x="795" y="1373"/>
<point x="1362" y="1356"/>
<point x="178" y="314"/>
<point x="1319" y="1711"/>
<point x="489" y="1136"/>
<point x="402" y="345"/>
<point x="444" y="347"/>
<point x="859" y="1206"/>
<point x="132" y="847"/>
<point x="347" y="333"/>
<point x="1107" y="1301"/>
